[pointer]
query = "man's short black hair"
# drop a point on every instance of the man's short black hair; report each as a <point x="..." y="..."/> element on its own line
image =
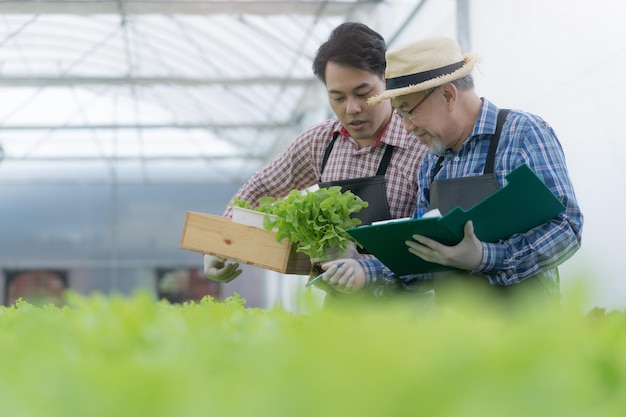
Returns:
<point x="352" y="44"/>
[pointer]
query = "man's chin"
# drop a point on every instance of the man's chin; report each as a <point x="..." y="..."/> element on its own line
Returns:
<point x="436" y="151"/>
<point x="436" y="146"/>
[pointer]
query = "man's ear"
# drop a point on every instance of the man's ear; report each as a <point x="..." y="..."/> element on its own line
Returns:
<point x="450" y="92"/>
<point x="451" y="95"/>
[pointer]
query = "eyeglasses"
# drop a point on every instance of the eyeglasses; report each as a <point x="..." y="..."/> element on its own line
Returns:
<point x="408" y="115"/>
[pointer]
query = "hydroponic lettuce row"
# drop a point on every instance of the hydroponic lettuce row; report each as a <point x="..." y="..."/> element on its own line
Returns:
<point x="313" y="220"/>
<point x="128" y="357"/>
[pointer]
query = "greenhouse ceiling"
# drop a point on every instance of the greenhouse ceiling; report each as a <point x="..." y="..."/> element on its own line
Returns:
<point x="157" y="91"/>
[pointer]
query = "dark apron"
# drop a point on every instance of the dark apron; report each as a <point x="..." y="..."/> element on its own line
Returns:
<point x="370" y="189"/>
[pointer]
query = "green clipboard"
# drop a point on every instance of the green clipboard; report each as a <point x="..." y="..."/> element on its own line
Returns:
<point x="525" y="202"/>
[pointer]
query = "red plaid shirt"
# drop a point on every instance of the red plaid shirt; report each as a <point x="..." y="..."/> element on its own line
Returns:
<point x="298" y="166"/>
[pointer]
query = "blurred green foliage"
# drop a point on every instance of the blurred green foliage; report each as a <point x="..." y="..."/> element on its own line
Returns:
<point x="133" y="356"/>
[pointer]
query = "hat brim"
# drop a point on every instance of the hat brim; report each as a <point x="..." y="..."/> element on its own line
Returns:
<point x="470" y="60"/>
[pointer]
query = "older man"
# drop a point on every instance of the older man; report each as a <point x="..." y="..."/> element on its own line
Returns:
<point x="429" y="84"/>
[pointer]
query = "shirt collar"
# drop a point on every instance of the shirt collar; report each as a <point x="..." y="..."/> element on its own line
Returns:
<point x="487" y="119"/>
<point x="344" y="132"/>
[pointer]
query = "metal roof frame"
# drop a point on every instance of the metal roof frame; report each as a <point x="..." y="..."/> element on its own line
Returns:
<point x="230" y="81"/>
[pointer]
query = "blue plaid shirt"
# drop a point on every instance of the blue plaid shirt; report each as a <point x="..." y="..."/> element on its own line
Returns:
<point x="525" y="138"/>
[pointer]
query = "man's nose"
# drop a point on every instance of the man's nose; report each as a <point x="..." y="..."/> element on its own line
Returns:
<point x="353" y="105"/>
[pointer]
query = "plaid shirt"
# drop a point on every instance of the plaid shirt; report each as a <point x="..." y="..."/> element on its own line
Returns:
<point x="298" y="166"/>
<point x="525" y="138"/>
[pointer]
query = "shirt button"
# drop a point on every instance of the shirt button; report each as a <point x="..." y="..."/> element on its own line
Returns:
<point x="457" y="159"/>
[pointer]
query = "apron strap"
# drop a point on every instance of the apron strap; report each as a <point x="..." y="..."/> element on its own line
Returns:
<point x="491" y="155"/>
<point x="437" y="167"/>
<point x="493" y="145"/>
<point x="329" y="149"/>
<point x="384" y="163"/>
<point x="382" y="168"/>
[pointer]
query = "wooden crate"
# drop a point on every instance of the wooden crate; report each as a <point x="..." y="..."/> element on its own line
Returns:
<point x="220" y="236"/>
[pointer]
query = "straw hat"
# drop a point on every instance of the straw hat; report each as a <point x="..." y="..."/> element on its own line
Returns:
<point x="424" y="64"/>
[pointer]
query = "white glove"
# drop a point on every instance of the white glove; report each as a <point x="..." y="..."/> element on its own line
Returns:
<point x="467" y="254"/>
<point x="346" y="275"/>
<point x="215" y="269"/>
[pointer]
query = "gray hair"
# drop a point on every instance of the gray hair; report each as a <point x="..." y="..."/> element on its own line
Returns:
<point x="464" y="83"/>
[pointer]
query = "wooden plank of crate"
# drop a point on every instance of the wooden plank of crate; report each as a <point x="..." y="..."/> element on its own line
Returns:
<point x="219" y="236"/>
